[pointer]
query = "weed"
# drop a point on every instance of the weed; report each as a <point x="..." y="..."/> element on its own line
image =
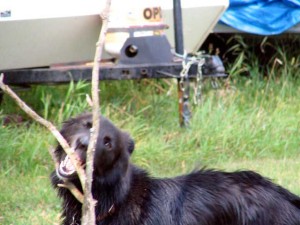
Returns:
<point x="248" y="123"/>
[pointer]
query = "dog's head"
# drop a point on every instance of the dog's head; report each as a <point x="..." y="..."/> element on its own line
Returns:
<point x="112" y="152"/>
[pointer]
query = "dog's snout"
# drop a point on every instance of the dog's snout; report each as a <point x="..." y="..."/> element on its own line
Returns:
<point x="83" y="142"/>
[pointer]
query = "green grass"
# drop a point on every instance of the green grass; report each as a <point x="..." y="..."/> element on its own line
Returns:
<point x="248" y="123"/>
<point x="27" y="198"/>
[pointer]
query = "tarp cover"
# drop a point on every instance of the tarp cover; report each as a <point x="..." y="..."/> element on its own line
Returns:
<point x="265" y="17"/>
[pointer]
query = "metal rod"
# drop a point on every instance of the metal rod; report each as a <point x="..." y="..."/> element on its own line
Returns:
<point x="183" y="96"/>
<point x="178" y="30"/>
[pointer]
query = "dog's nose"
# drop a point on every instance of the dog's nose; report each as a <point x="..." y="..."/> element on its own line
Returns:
<point x="83" y="142"/>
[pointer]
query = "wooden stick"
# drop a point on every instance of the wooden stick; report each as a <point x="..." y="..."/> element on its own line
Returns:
<point x="72" y="188"/>
<point x="88" y="208"/>
<point x="70" y="152"/>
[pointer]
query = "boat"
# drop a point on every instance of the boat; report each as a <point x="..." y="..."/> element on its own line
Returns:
<point x="37" y="34"/>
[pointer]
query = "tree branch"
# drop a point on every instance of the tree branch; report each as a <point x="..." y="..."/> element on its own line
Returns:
<point x="86" y="177"/>
<point x="72" y="188"/>
<point x="70" y="152"/>
<point x="88" y="208"/>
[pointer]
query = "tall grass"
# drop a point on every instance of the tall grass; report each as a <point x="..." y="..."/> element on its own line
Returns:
<point x="248" y="123"/>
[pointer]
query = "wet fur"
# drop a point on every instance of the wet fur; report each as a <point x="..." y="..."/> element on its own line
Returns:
<point x="204" y="197"/>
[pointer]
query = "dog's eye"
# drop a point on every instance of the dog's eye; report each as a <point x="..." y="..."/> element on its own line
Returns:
<point x="80" y="146"/>
<point x="107" y="142"/>
<point x="89" y="124"/>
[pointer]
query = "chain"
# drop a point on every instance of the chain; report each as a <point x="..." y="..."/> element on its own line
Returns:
<point x="185" y="113"/>
<point x="186" y="65"/>
<point x="199" y="77"/>
<point x="187" y="62"/>
<point x="198" y="82"/>
<point x="184" y="84"/>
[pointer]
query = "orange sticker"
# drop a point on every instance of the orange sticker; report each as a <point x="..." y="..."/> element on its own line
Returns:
<point x="152" y="14"/>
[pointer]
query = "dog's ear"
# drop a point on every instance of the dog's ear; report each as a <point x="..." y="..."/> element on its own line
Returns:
<point x="130" y="146"/>
<point x="129" y="143"/>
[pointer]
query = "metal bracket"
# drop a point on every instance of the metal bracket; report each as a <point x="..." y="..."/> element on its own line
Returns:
<point x="147" y="49"/>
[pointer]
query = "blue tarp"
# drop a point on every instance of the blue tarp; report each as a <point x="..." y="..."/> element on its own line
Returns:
<point x="264" y="17"/>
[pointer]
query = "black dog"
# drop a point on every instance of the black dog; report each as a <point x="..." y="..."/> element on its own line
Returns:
<point x="128" y="195"/>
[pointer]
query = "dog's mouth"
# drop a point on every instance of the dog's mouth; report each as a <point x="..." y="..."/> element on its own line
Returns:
<point x="66" y="169"/>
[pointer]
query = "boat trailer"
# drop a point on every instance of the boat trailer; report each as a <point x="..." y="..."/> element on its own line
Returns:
<point x="140" y="58"/>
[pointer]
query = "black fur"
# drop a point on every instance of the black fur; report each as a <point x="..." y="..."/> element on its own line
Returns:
<point x="204" y="197"/>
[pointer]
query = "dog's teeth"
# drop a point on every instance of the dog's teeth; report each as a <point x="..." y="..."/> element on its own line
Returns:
<point x="66" y="166"/>
<point x="64" y="161"/>
<point x="69" y="165"/>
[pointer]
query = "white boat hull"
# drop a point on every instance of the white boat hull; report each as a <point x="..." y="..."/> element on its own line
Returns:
<point x="40" y="41"/>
